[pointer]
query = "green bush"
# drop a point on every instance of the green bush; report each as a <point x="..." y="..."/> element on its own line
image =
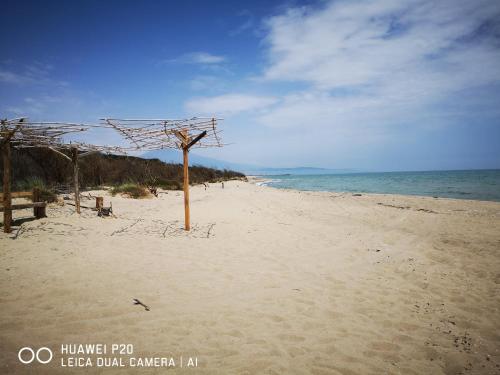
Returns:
<point x="169" y="184"/>
<point x="35" y="166"/>
<point x="46" y="194"/>
<point x="130" y="189"/>
<point x="29" y="184"/>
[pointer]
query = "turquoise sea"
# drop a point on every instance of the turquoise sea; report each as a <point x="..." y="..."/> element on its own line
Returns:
<point x="468" y="184"/>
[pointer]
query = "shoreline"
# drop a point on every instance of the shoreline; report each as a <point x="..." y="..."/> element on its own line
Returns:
<point x="255" y="180"/>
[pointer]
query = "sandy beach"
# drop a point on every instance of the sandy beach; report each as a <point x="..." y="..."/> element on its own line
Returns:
<point x="268" y="281"/>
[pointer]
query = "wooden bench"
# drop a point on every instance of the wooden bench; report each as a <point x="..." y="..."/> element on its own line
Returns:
<point x="38" y="207"/>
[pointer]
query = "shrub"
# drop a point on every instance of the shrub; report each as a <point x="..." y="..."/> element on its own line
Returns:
<point x="46" y="194"/>
<point x="38" y="165"/>
<point x="30" y="183"/>
<point x="169" y="184"/>
<point x="130" y="189"/>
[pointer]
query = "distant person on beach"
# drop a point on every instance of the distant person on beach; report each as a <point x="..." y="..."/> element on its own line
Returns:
<point x="223" y="185"/>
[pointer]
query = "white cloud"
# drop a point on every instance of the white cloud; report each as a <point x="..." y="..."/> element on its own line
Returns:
<point x="228" y="104"/>
<point x="33" y="74"/>
<point x="356" y="43"/>
<point x="384" y="58"/>
<point x="203" y="58"/>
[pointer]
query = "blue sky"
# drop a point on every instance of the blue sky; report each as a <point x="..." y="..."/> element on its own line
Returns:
<point x="366" y="85"/>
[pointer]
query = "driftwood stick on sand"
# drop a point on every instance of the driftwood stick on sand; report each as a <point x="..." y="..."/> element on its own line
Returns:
<point x="210" y="229"/>
<point x="124" y="229"/>
<point x="18" y="232"/>
<point x="137" y="302"/>
<point x="166" y="229"/>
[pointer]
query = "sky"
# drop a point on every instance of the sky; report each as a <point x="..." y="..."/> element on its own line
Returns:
<point x="365" y="85"/>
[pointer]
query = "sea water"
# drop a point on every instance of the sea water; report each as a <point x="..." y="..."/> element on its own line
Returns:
<point x="466" y="184"/>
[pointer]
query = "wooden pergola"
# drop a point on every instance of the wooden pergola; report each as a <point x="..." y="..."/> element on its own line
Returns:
<point x="156" y="134"/>
<point x="21" y="133"/>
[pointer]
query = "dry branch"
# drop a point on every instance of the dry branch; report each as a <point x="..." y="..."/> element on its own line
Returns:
<point x="124" y="229"/>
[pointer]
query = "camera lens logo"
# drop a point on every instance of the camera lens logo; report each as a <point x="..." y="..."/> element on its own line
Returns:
<point x="28" y="358"/>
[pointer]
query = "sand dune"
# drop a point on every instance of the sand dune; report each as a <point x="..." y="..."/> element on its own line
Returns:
<point x="268" y="281"/>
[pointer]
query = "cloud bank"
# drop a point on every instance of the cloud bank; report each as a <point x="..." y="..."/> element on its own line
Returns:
<point x="377" y="43"/>
<point x="369" y="64"/>
<point x="386" y="57"/>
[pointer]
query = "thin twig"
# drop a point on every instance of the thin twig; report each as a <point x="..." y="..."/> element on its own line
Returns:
<point x="18" y="232"/>
<point x="209" y="229"/>
<point x="124" y="229"/>
<point x="137" y="302"/>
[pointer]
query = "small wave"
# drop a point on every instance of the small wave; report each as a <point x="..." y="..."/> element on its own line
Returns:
<point x="267" y="182"/>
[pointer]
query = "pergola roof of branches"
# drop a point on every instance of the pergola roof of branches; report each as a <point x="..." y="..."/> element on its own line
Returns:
<point x="154" y="134"/>
<point x="23" y="133"/>
<point x="141" y="134"/>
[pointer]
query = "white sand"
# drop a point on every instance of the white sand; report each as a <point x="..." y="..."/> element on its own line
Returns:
<point x="285" y="282"/>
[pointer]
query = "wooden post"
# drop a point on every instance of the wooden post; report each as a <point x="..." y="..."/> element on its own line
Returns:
<point x="187" y="143"/>
<point x="7" y="199"/>
<point x="99" y="202"/>
<point x="185" y="152"/>
<point x="35" y="197"/>
<point x="38" y="212"/>
<point x="74" y="160"/>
